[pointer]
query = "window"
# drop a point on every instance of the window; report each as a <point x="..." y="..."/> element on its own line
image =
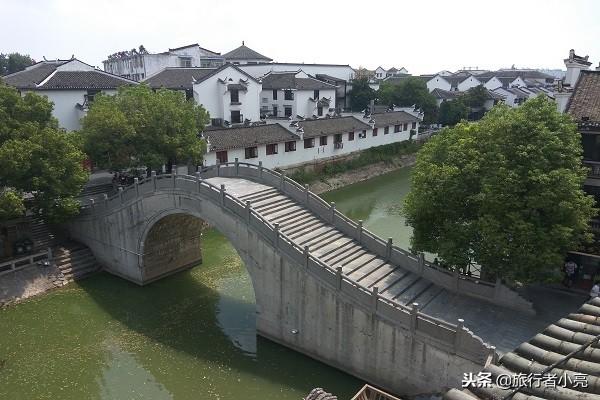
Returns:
<point x="405" y="127"/>
<point x="309" y="143"/>
<point x="386" y="130"/>
<point x="91" y="93"/>
<point x="235" y="96"/>
<point x="316" y="94"/>
<point x="350" y="136"/>
<point x="320" y="111"/>
<point x="290" y="146"/>
<point x="265" y="99"/>
<point x="288" y="95"/>
<point x="271" y="149"/>
<point x="375" y="132"/>
<point x="274" y="94"/>
<point x="362" y="134"/>
<point x="414" y="125"/>
<point x="287" y="111"/>
<point x="186" y="62"/>
<point x="397" y="128"/>
<point x="236" y="117"/>
<point x="323" y="141"/>
<point x="251" y="152"/>
<point x="221" y="157"/>
<point x="337" y="141"/>
<point x="274" y="111"/>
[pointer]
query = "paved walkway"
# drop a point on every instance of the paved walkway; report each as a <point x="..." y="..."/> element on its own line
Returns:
<point x="498" y="326"/>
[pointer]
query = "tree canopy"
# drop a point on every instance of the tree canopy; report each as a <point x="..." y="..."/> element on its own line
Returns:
<point x="504" y="192"/>
<point x="410" y="91"/>
<point x="37" y="158"/>
<point x="452" y="112"/>
<point x="141" y="127"/>
<point x="361" y="94"/>
<point x="14" y="62"/>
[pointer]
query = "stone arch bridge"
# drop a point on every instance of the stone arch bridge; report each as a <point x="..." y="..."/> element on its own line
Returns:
<point x="324" y="285"/>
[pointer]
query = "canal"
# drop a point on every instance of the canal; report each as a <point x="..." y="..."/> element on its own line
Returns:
<point x="188" y="336"/>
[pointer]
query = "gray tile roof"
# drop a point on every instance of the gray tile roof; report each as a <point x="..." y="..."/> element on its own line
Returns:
<point x="29" y="78"/>
<point x="329" y="78"/>
<point x="177" y="78"/>
<point x="393" y="118"/>
<point x="288" y="80"/>
<point x="245" y="53"/>
<point x="331" y="126"/>
<point x="444" y="94"/>
<point x="84" y="80"/>
<point x="239" y="138"/>
<point x="585" y="100"/>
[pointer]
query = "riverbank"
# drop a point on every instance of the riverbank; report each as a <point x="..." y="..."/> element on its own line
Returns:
<point x="367" y="172"/>
<point x="365" y="165"/>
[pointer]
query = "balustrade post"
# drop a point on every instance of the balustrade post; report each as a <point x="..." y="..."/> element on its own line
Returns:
<point x="222" y="191"/>
<point x="374" y="298"/>
<point x="359" y="228"/>
<point x="276" y="231"/>
<point x="218" y="168"/>
<point x="414" y="315"/>
<point x="153" y="177"/>
<point x="388" y="249"/>
<point x="121" y="194"/>
<point x="332" y="209"/>
<point x="281" y="180"/>
<point x="50" y="254"/>
<point x="173" y="175"/>
<point x="136" y="182"/>
<point x="421" y="263"/>
<point x="260" y="169"/>
<point x="105" y="200"/>
<point x="456" y="280"/>
<point x="248" y="211"/>
<point x="237" y="167"/>
<point x="306" y="194"/>
<point x="92" y="203"/>
<point x="199" y="181"/>
<point x="459" y="332"/>
<point x="306" y="255"/>
<point x="338" y="274"/>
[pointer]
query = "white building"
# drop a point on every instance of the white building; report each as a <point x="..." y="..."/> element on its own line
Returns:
<point x="575" y="64"/>
<point x="245" y="55"/>
<point x="139" y="64"/>
<point x="338" y="71"/>
<point x="292" y="94"/>
<point x="230" y="95"/>
<point x="279" y="145"/>
<point x="461" y="82"/>
<point x="178" y="78"/>
<point x="70" y="84"/>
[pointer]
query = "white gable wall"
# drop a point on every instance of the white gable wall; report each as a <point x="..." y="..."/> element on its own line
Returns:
<point x="468" y="83"/>
<point x="517" y="83"/>
<point x="438" y="82"/>
<point x="493" y="83"/>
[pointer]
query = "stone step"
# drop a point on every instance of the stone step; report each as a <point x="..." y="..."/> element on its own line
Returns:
<point x="71" y="269"/>
<point x="63" y="254"/>
<point x="359" y="262"/>
<point x="277" y="207"/>
<point x="364" y="270"/>
<point x="265" y="193"/>
<point x="299" y="225"/>
<point x="265" y="202"/>
<point x="308" y="236"/>
<point x="334" y="240"/>
<point x="428" y="296"/>
<point x="82" y="273"/>
<point x="384" y="271"/>
<point x="309" y="229"/>
<point x="286" y="211"/>
<point x="394" y="285"/>
<point x="339" y="256"/>
<point x="70" y="263"/>
<point x="330" y="251"/>
<point x="348" y="260"/>
<point x="323" y="251"/>
<point x="409" y="295"/>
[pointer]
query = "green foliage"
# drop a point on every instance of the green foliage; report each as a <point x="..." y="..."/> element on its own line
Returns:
<point x="385" y="153"/>
<point x="38" y="158"/>
<point x="361" y="94"/>
<point x="11" y="204"/>
<point x="14" y="62"/>
<point x="475" y="97"/>
<point x="504" y="192"/>
<point x="452" y="112"/>
<point x="410" y="91"/>
<point x="140" y="127"/>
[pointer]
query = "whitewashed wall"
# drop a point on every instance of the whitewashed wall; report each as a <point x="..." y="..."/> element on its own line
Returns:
<point x="437" y="82"/>
<point x="468" y="83"/>
<point x="215" y="98"/>
<point x="493" y="83"/>
<point x="518" y="82"/>
<point x="318" y="153"/>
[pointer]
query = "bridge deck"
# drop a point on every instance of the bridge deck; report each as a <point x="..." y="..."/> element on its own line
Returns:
<point x="394" y="282"/>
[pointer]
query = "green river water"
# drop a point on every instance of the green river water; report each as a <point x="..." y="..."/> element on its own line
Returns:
<point x="188" y="336"/>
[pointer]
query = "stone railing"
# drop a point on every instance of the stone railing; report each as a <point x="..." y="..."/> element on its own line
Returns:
<point x="454" y="338"/>
<point x="494" y="292"/>
<point x="23" y="262"/>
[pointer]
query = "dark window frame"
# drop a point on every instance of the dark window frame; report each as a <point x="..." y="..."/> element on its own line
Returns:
<point x="386" y="130"/>
<point x="350" y="136"/>
<point x="290" y="146"/>
<point x="274" y="94"/>
<point x="251" y="152"/>
<point x="397" y="128"/>
<point x="323" y="140"/>
<point x="272" y="149"/>
<point x="375" y="132"/>
<point x="239" y="119"/>
<point x="220" y="158"/>
<point x="309" y="143"/>
<point x="288" y="95"/>
<point x="234" y="96"/>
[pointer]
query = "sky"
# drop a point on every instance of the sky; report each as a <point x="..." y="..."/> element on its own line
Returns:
<point x="424" y="36"/>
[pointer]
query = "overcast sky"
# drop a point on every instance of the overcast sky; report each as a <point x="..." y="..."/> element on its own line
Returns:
<point x="425" y="36"/>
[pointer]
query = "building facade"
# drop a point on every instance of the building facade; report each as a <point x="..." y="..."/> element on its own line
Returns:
<point x="245" y="55"/>
<point x="140" y="64"/>
<point x="69" y="84"/>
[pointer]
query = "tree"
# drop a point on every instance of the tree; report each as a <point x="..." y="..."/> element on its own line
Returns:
<point x="14" y="62"/>
<point x="410" y="91"/>
<point x="475" y="97"/>
<point x="452" y="112"/>
<point x="37" y="158"/>
<point x="504" y="192"/>
<point x="139" y="127"/>
<point x="361" y="94"/>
